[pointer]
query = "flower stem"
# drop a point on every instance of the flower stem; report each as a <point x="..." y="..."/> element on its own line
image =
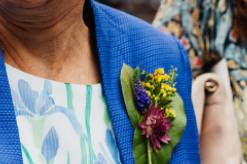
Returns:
<point x="149" y="151"/>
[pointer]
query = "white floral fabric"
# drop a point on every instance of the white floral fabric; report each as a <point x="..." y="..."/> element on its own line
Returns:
<point x="61" y="123"/>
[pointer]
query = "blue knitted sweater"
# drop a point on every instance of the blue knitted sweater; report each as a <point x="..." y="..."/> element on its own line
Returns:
<point x="120" y="39"/>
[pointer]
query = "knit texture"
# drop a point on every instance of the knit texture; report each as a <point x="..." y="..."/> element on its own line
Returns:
<point x="120" y="39"/>
<point x="10" y="149"/>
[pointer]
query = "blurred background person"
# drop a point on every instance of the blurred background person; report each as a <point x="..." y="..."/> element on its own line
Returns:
<point x="214" y="35"/>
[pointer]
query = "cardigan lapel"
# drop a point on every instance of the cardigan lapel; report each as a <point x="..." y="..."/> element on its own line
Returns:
<point x="10" y="149"/>
<point x="110" y="42"/>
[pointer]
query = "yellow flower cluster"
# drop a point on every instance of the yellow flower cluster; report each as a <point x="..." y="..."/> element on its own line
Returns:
<point x="170" y="113"/>
<point x="157" y="86"/>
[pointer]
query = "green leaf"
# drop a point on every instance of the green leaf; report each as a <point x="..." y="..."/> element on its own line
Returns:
<point x="136" y="73"/>
<point x="127" y="75"/>
<point x="175" y="133"/>
<point x="140" y="148"/>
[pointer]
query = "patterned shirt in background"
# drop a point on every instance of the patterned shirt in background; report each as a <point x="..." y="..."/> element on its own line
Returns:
<point x="61" y="123"/>
<point x="204" y="27"/>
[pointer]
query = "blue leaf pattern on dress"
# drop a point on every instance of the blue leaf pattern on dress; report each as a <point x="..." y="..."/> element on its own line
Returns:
<point x="70" y="115"/>
<point x="19" y="106"/>
<point x="50" y="145"/>
<point x="30" y="103"/>
<point x="45" y="101"/>
<point x="28" y="96"/>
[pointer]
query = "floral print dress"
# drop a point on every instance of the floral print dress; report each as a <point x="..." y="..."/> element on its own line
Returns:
<point x="61" y="123"/>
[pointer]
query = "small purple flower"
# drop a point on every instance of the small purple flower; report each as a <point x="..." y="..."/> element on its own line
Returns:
<point x="155" y="127"/>
<point x="142" y="99"/>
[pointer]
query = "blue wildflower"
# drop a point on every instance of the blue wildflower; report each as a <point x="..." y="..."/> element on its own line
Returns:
<point x="141" y="97"/>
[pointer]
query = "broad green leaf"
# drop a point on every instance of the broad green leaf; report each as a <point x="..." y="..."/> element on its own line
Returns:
<point x="127" y="75"/>
<point x="175" y="133"/>
<point x="140" y="148"/>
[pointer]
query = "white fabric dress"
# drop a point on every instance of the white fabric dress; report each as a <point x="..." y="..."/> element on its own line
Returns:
<point x="61" y="123"/>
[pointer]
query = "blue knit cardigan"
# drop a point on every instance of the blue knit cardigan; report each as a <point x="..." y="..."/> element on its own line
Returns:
<point x="120" y="39"/>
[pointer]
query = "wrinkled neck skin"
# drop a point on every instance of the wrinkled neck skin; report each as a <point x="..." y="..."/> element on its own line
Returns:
<point x="43" y="36"/>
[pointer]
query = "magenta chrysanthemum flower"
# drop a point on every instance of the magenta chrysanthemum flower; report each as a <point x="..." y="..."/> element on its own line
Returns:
<point x="155" y="127"/>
